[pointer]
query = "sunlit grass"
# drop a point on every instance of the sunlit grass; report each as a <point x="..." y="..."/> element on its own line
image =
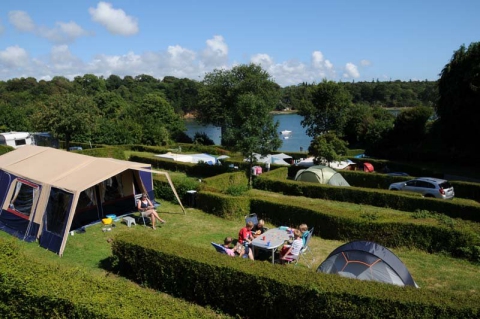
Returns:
<point x="196" y="228"/>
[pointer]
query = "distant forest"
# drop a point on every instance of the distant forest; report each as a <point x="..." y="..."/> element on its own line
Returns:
<point x="182" y="94"/>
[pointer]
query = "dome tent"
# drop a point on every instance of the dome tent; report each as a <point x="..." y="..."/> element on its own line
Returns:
<point x="321" y="174"/>
<point x="367" y="260"/>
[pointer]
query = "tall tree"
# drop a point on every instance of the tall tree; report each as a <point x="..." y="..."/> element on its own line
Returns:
<point x="66" y="115"/>
<point x="220" y="96"/>
<point x="459" y="100"/>
<point x="254" y="131"/>
<point x="327" y="110"/>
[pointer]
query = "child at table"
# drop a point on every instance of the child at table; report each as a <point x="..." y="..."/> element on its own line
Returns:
<point x="232" y="252"/>
<point x="259" y="228"/>
<point x="245" y="237"/>
<point x="303" y="228"/>
<point x="294" y="249"/>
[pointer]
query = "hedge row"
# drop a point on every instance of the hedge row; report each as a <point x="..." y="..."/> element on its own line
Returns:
<point x="429" y="232"/>
<point x="34" y="289"/>
<point x="244" y="288"/>
<point x="380" y="198"/>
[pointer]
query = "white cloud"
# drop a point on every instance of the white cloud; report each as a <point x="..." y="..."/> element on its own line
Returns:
<point x="61" y="33"/>
<point x="175" y="61"/>
<point x="215" y="54"/>
<point x="351" y="71"/>
<point x="115" y="20"/>
<point x="263" y="59"/>
<point x="14" y="57"/>
<point x="21" y="21"/>
<point x="365" y="63"/>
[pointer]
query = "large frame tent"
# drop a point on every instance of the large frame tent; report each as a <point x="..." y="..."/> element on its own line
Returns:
<point x="45" y="192"/>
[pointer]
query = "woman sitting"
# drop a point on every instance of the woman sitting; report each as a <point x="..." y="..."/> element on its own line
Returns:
<point x="145" y="206"/>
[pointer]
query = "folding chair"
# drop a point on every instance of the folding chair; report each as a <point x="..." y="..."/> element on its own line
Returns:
<point x="219" y="248"/>
<point x="306" y="252"/>
<point x="253" y="218"/>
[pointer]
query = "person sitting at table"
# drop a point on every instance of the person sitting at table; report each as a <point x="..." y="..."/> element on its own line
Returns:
<point x="303" y="228"/>
<point x="232" y="251"/>
<point x="145" y="205"/>
<point x="259" y="228"/>
<point x="245" y="237"/>
<point x="294" y="249"/>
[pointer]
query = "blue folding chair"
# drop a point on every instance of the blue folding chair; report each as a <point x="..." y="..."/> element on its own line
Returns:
<point x="219" y="248"/>
<point x="253" y="218"/>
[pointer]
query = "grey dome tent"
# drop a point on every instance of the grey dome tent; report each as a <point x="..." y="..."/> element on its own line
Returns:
<point x="367" y="260"/>
<point x="321" y="174"/>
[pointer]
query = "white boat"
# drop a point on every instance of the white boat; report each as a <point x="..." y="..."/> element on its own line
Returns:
<point x="285" y="137"/>
<point x="285" y="132"/>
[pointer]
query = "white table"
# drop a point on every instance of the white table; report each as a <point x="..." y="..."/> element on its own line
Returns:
<point x="275" y="236"/>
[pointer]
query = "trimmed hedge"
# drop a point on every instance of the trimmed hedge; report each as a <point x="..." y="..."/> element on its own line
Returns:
<point x="34" y="289"/>
<point x="380" y="198"/>
<point x="244" y="288"/>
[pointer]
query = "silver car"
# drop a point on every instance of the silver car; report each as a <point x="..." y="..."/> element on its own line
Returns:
<point x="427" y="186"/>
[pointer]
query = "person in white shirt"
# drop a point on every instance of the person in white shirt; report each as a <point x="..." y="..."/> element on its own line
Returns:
<point x="294" y="250"/>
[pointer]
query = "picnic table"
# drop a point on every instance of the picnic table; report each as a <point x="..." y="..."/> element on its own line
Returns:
<point x="272" y="239"/>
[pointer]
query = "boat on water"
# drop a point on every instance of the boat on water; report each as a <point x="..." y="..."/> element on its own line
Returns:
<point x="285" y="137"/>
<point x="285" y="132"/>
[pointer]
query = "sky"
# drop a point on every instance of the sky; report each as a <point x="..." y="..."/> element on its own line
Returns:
<point x="294" y="41"/>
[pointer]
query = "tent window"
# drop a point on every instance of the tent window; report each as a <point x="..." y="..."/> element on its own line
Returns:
<point x="23" y="198"/>
<point x="86" y="199"/>
<point x="113" y="188"/>
<point x="57" y="210"/>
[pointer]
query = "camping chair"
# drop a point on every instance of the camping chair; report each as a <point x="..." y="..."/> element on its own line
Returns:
<point x="306" y="252"/>
<point x="219" y="248"/>
<point x="251" y="217"/>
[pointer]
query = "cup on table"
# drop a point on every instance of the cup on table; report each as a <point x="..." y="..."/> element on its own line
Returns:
<point x="263" y="238"/>
<point x="268" y="244"/>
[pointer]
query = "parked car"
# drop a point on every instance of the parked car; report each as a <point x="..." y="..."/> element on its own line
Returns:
<point x="427" y="186"/>
<point x="398" y="174"/>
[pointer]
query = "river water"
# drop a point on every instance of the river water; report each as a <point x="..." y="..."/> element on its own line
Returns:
<point x="296" y="141"/>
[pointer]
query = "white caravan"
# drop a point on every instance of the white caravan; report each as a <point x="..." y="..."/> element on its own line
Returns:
<point x="16" y="139"/>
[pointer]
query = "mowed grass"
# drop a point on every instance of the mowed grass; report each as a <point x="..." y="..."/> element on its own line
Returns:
<point x="196" y="228"/>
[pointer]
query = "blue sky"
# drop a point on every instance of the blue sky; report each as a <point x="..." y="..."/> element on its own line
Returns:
<point x="294" y="41"/>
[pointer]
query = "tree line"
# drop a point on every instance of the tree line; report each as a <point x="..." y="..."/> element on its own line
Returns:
<point x="146" y="110"/>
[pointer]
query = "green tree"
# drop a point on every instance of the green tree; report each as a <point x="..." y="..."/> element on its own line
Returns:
<point x="220" y="96"/>
<point x="459" y="100"/>
<point x="327" y="110"/>
<point x="158" y="118"/>
<point x="255" y="131"/>
<point x="327" y="148"/>
<point x="367" y="125"/>
<point x="66" y="115"/>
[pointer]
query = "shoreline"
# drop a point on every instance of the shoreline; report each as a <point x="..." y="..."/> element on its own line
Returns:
<point x="192" y="116"/>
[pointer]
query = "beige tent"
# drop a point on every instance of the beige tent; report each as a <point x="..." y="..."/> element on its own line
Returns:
<point x="46" y="192"/>
<point x="321" y="174"/>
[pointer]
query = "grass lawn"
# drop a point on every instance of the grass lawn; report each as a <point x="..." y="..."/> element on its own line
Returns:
<point x="199" y="229"/>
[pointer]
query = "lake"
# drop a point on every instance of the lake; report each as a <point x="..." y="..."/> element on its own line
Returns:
<point x="290" y="143"/>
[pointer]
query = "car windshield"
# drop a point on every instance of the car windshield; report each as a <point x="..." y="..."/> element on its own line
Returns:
<point x="445" y="185"/>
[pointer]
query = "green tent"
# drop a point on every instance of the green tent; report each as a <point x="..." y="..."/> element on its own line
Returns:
<point x="321" y="174"/>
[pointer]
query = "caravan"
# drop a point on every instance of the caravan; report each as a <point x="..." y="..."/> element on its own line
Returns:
<point x="16" y="139"/>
